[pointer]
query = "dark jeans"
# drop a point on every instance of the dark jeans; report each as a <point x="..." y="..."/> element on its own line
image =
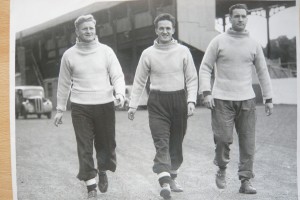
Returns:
<point x="94" y="124"/>
<point x="168" y="123"/>
<point x="225" y="116"/>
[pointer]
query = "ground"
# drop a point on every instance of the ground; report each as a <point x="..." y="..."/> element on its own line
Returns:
<point x="47" y="162"/>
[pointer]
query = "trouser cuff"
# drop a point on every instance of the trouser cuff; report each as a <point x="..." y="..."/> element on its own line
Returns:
<point x="174" y="173"/>
<point x="164" y="177"/>
<point x="91" y="181"/>
<point x="245" y="175"/>
<point x="91" y="184"/>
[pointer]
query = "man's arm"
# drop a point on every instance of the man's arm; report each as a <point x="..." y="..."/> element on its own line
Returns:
<point x="116" y="73"/>
<point x="207" y="66"/>
<point x="205" y="73"/>
<point x="63" y="90"/>
<point x="64" y="84"/>
<point x="263" y="74"/>
<point x="264" y="79"/>
<point x="191" y="82"/>
<point x="117" y="78"/>
<point x="190" y="76"/>
<point x="140" y="79"/>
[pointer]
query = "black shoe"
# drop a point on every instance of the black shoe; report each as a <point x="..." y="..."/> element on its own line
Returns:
<point x="103" y="182"/>
<point x="92" y="194"/>
<point x="165" y="191"/>
<point x="247" y="188"/>
<point x="175" y="187"/>
<point x="221" y="178"/>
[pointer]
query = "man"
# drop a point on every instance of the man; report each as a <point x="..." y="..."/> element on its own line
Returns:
<point x="232" y="101"/>
<point x="171" y="68"/>
<point x="86" y="71"/>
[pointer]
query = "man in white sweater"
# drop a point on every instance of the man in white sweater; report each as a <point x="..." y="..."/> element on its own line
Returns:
<point x="231" y="56"/>
<point x="171" y="69"/>
<point x="87" y="70"/>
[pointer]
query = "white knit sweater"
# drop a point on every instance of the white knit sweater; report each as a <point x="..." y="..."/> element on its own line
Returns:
<point x="234" y="54"/>
<point x="170" y="67"/>
<point x="91" y="71"/>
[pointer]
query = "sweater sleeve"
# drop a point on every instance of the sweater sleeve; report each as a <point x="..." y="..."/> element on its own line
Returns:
<point x="263" y="73"/>
<point x="116" y="73"/>
<point x="207" y="66"/>
<point x="191" y="79"/>
<point x="140" y="79"/>
<point x="64" y="84"/>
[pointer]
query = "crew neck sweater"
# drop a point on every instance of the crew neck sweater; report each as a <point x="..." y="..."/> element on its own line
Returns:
<point x="234" y="55"/>
<point x="90" y="71"/>
<point x="170" y="68"/>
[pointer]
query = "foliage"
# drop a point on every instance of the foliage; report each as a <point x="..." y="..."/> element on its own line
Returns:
<point x="283" y="48"/>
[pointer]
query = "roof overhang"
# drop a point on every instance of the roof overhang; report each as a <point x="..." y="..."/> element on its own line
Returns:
<point x="97" y="5"/>
<point x="222" y="6"/>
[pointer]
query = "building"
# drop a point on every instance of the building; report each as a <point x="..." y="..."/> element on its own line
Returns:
<point x="127" y="27"/>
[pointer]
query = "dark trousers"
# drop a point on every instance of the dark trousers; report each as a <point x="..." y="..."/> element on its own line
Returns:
<point x="94" y="125"/>
<point x="168" y="123"/>
<point x="225" y="116"/>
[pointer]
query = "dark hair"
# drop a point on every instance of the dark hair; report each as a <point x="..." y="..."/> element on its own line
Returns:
<point x="238" y="6"/>
<point x="164" y="16"/>
<point x="84" y="18"/>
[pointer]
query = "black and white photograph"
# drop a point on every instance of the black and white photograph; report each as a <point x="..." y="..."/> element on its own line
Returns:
<point x="154" y="99"/>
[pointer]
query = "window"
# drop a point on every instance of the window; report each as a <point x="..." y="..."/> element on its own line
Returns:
<point x="161" y="3"/>
<point x="101" y="17"/>
<point x="139" y="6"/>
<point x="119" y="11"/>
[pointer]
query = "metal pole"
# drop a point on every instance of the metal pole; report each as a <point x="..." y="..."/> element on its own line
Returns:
<point x="268" y="31"/>
<point x="224" y="23"/>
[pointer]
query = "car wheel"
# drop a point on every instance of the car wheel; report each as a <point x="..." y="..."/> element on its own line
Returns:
<point x="39" y="116"/>
<point x="24" y="114"/>
<point x="49" y="115"/>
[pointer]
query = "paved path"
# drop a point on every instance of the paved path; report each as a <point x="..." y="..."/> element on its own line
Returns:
<point x="47" y="160"/>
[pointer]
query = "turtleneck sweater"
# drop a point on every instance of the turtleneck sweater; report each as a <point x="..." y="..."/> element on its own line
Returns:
<point x="91" y="71"/>
<point x="170" y="68"/>
<point x="234" y="55"/>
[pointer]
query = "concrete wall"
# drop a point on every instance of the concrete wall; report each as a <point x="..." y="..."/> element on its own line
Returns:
<point x="196" y="22"/>
<point x="285" y="90"/>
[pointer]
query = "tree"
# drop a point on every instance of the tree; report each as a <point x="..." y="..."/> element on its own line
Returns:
<point x="283" y="48"/>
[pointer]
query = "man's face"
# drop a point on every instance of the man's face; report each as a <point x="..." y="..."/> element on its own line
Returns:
<point x="86" y="31"/>
<point x="164" y="31"/>
<point x="238" y="19"/>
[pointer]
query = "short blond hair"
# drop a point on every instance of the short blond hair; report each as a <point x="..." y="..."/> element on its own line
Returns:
<point x="84" y="18"/>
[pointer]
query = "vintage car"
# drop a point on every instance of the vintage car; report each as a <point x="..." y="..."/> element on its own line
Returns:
<point x="31" y="100"/>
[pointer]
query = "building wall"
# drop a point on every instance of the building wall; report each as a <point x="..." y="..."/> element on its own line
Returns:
<point x="196" y="22"/>
<point x="126" y="27"/>
<point x="285" y="90"/>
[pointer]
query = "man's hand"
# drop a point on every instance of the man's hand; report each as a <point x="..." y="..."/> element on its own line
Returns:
<point x="119" y="101"/>
<point x="131" y="113"/>
<point x="58" y="118"/>
<point x="191" y="108"/>
<point x="209" y="102"/>
<point x="269" y="108"/>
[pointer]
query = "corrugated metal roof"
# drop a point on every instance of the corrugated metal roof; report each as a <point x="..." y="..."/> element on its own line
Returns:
<point x="97" y="5"/>
<point x="222" y="6"/>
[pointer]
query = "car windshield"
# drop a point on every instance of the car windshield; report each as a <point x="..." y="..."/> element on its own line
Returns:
<point x="33" y="92"/>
